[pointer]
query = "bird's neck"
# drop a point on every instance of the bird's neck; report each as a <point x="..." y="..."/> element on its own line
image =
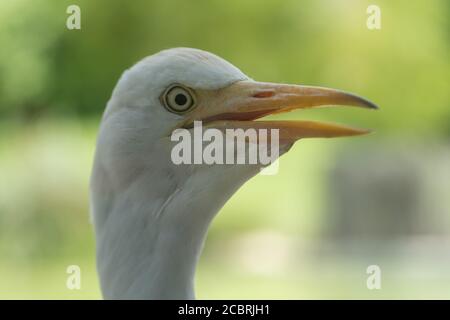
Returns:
<point x="150" y="230"/>
<point x="151" y="254"/>
<point x="177" y="249"/>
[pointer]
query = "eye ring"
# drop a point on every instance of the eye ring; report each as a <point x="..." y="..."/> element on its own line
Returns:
<point x="178" y="99"/>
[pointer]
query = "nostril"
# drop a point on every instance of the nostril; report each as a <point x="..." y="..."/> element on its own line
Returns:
<point x="263" y="94"/>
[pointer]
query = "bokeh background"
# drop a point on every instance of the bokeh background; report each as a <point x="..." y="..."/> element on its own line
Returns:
<point x="311" y="231"/>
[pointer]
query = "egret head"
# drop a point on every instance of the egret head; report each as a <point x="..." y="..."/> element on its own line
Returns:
<point x="175" y="87"/>
<point x="141" y="200"/>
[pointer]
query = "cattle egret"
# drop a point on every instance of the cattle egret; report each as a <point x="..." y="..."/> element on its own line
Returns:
<point x="150" y="215"/>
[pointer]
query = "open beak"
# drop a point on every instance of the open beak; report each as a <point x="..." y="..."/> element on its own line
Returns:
<point x="237" y="105"/>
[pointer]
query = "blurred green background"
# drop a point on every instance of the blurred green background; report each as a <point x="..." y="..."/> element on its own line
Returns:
<point x="334" y="208"/>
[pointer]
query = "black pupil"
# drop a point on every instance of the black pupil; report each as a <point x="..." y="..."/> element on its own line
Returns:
<point x="180" y="99"/>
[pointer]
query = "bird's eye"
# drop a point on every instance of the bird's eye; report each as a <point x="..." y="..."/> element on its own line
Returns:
<point x="178" y="99"/>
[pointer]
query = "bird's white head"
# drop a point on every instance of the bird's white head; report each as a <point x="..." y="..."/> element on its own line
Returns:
<point x="151" y="215"/>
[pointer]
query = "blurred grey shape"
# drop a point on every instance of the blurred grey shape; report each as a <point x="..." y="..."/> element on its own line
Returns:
<point x="385" y="191"/>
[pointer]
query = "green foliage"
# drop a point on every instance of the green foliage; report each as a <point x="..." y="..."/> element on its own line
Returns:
<point x="404" y="67"/>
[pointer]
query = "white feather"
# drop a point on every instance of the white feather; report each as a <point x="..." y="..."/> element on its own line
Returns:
<point x="151" y="216"/>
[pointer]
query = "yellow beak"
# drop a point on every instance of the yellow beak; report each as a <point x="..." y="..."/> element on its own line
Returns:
<point x="237" y="105"/>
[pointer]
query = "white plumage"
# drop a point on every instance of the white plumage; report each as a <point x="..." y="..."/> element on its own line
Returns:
<point x="151" y="216"/>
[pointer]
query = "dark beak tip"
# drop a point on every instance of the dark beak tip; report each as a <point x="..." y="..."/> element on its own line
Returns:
<point x="369" y="104"/>
<point x="362" y="102"/>
<point x="373" y="106"/>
